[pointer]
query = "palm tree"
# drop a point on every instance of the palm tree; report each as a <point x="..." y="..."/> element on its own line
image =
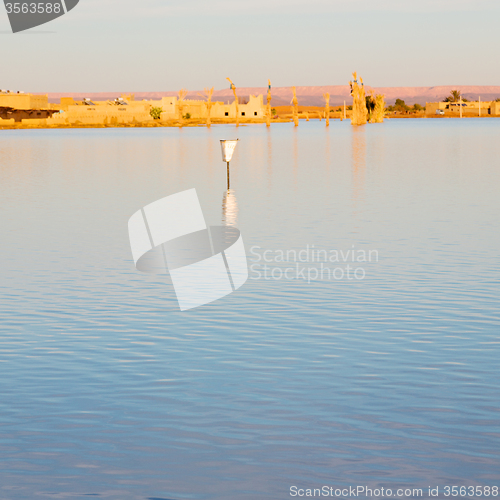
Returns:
<point x="454" y="96"/>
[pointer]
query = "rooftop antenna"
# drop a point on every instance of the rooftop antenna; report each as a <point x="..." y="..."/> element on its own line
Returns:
<point x="233" y="88"/>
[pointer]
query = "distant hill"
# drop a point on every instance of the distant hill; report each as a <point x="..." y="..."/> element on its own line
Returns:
<point x="313" y="96"/>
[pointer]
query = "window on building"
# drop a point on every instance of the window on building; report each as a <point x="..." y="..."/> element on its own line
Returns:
<point x="255" y="113"/>
<point x="226" y="113"/>
<point x="242" y="113"/>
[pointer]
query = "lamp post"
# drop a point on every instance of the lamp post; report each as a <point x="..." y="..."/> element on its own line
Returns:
<point x="228" y="148"/>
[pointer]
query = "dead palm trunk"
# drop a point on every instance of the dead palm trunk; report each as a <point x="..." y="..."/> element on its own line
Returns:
<point x="327" y="108"/>
<point x="295" y="107"/>
<point x="235" y="101"/>
<point x="359" y="111"/>
<point x="378" y="110"/>
<point x="209" y="103"/>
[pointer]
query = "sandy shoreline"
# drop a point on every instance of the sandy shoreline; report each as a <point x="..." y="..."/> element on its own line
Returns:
<point x="310" y="116"/>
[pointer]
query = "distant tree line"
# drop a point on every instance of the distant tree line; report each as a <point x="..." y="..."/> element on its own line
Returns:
<point x="401" y="107"/>
<point x="456" y="95"/>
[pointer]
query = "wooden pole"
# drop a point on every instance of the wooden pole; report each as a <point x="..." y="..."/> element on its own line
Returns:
<point x="327" y="108"/>
<point x="228" y="176"/>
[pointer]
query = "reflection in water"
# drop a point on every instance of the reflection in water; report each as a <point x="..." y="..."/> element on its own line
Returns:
<point x="269" y="157"/>
<point x="295" y="157"/>
<point x="328" y="157"/>
<point x="229" y="208"/>
<point x="358" y="165"/>
<point x="210" y="152"/>
<point x="182" y="153"/>
<point x="109" y="391"/>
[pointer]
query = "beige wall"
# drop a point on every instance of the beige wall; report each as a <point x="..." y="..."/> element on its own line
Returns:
<point x="8" y="122"/>
<point x="103" y="113"/>
<point x="34" y="122"/>
<point x="470" y="108"/>
<point x="108" y="113"/>
<point x="173" y="109"/>
<point x="168" y="105"/>
<point x="24" y="101"/>
<point x="495" y="108"/>
<point x="253" y="110"/>
<point x="431" y="107"/>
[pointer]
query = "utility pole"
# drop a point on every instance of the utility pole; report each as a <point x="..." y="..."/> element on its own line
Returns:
<point x="268" y="109"/>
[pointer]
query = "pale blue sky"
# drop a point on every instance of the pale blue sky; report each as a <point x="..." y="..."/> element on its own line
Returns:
<point x="157" y="45"/>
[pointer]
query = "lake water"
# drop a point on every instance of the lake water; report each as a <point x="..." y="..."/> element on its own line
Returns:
<point x="107" y="390"/>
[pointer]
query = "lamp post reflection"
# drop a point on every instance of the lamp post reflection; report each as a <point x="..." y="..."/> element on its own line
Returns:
<point x="229" y="208"/>
<point x="358" y="166"/>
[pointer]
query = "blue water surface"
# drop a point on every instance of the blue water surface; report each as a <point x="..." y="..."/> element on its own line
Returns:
<point x="107" y="390"/>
